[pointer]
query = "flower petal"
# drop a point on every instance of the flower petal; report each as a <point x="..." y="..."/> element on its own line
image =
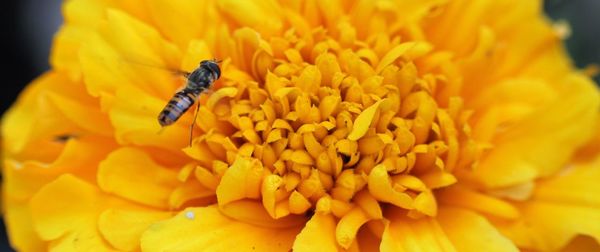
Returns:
<point x="131" y="173"/>
<point x="380" y="186"/>
<point x="191" y="192"/>
<point x="242" y="180"/>
<point x="462" y="196"/>
<point x="197" y="51"/>
<point x="258" y="15"/>
<point x="578" y="185"/>
<point x="36" y="121"/>
<point x="561" y="208"/>
<point x="56" y="217"/>
<point x="20" y="228"/>
<point x="317" y="235"/>
<point x="123" y="228"/>
<point x="413" y="49"/>
<point x="470" y="232"/>
<point x="363" y="121"/>
<point x="126" y="50"/>
<point x="181" y="21"/>
<point x="348" y="226"/>
<point x="540" y="144"/>
<point x="196" y="229"/>
<point x="550" y="226"/>
<point x="404" y="234"/>
<point x="64" y="53"/>
<point x="135" y="121"/>
<point x="252" y="212"/>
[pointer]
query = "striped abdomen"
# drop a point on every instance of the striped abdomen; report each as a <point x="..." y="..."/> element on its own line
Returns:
<point x="180" y="103"/>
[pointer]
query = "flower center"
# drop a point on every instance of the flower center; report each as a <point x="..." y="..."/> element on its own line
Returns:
<point x="330" y="125"/>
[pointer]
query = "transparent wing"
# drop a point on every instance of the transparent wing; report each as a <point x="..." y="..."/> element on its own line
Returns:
<point x="138" y="63"/>
<point x="173" y="71"/>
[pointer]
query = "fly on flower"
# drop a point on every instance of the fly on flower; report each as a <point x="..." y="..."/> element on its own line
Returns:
<point x="198" y="81"/>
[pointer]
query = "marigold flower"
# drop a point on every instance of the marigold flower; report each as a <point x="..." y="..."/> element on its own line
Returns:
<point x="336" y="125"/>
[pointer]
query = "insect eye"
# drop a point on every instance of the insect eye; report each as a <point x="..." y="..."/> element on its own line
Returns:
<point x="216" y="69"/>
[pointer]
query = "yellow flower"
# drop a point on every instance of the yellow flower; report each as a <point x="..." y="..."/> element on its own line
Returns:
<point x="336" y="125"/>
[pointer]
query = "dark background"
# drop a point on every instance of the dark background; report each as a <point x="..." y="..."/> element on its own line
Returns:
<point x="28" y="26"/>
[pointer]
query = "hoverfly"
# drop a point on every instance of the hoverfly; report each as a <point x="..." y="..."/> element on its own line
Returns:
<point x="198" y="81"/>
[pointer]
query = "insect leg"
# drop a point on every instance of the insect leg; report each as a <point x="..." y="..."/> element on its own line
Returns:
<point x="194" y="122"/>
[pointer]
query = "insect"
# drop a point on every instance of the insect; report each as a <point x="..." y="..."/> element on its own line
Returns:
<point x="198" y="81"/>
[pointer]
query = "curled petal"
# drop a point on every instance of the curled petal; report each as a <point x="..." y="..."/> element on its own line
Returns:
<point x="242" y="180"/>
<point x="347" y="227"/>
<point x="380" y="187"/>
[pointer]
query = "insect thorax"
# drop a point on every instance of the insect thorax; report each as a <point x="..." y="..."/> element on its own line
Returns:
<point x="200" y="79"/>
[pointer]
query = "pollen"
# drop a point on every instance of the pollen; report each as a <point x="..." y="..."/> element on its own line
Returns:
<point x="190" y="215"/>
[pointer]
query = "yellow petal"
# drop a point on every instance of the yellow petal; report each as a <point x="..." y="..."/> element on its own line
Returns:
<point x="363" y="121"/>
<point x="123" y="228"/>
<point x="459" y="225"/>
<point x="253" y="212"/>
<point x="197" y="51"/>
<point x="317" y="235"/>
<point x="35" y="121"/>
<point x="329" y="105"/>
<point x="437" y="179"/>
<point x="269" y="189"/>
<point x="20" y="229"/>
<point x="196" y="229"/>
<point x="425" y="203"/>
<point x="462" y="196"/>
<point x="88" y="117"/>
<point x="380" y="187"/>
<point x="191" y="193"/>
<point x="577" y="186"/>
<point x="540" y="144"/>
<point x="242" y="180"/>
<point x="550" y="226"/>
<point x="298" y="203"/>
<point x="135" y="121"/>
<point x="261" y="16"/>
<point x="120" y="53"/>
<point x="200" y="151"/>
<point x="405" y="234"/>
<point x="220" y="94"/>
<point x="414" y="49"/>
<point x="370" y="145"/>
<point x="55" y="216"/>
<point x="347" y="227"/>
<point x="309" y="80"/>
<point x="64" y="53"/>
<point x="23" y="179"/>
<point x="206" y="178"/>
<point x="369" y="204"/>
<point x="181" y="21"/>
<point x="131" y="173"/>
<point x="301" y="157"/>
<point x="552" y="217"/>
<point x="328" y="66"/>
